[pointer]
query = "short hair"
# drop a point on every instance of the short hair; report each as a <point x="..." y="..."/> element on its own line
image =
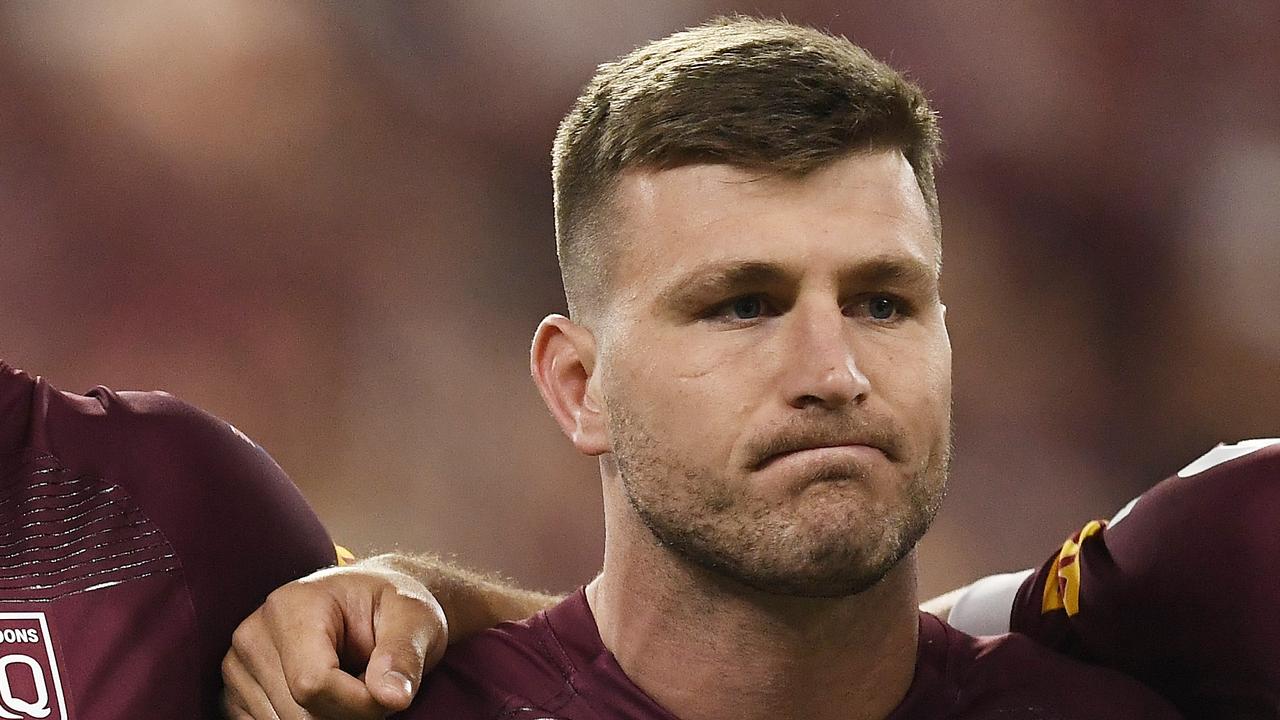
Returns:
<point x="760" y="94"/>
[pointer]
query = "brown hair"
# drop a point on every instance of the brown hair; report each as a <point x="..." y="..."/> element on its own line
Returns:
<point x="760" y="94"/>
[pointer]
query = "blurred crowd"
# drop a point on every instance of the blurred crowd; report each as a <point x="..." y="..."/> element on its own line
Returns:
<point x="330" y="224"/>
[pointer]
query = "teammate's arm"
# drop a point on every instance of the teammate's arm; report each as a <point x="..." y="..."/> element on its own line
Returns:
<point x="353" y="642"/>
<point x="472" y="601"/>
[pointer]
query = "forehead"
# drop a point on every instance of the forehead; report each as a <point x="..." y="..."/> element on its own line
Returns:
<point x="862" y="206"/>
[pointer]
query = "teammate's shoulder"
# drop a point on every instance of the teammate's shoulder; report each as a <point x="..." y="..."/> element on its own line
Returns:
<point x="163" y="416"/>
<point x="134" y="438"/>
<point x="188" y="469"/>
<point x="1227" y="495"/>
<point x="1247" y="460"/>
<point x="173" y="435"/>
<point x="1011" y="674"/>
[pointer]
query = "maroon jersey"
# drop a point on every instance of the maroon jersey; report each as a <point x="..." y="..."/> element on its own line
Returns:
<point x="1182" y="590"/>
<point x="135" y="533"/>
<point x="554" y="666"/>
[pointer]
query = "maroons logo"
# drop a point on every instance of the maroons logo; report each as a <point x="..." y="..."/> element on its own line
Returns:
<point x="30" y="687"/>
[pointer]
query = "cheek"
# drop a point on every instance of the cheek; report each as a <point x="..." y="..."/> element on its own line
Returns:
<point x="917" y="379"/>
<point x="689" y="395"/>
<point x="936" y="402"/>
<point x="724" y="358"/>
<point x="701" y="370"/>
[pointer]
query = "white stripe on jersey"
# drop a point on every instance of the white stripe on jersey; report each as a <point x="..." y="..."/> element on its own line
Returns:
<point x="1223" y="453"/>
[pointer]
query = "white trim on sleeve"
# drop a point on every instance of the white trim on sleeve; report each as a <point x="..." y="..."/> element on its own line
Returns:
<point x="984" y="607"/>
<point x="1225" y="453"/>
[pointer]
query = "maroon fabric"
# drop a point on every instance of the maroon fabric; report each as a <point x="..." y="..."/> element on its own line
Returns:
<point x="135" y="532"/>
<point x="1183" y="593"/>
<point x="554" y="666"/>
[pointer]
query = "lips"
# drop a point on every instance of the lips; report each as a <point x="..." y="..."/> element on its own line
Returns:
<point x="833" y="452"/>
<point x="829" y="439"/>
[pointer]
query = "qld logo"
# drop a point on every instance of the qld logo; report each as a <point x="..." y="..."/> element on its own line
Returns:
<point x="30" y="687"/>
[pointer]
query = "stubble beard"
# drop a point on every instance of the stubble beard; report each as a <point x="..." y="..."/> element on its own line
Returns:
<point x="770" y="547"/>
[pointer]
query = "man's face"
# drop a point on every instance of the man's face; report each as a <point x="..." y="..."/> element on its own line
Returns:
<point x="775" y="369"/>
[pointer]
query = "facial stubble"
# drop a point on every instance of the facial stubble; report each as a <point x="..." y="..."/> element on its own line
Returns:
<point x="837" y="541"/>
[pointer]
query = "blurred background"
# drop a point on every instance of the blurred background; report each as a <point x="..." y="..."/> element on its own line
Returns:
<point x="330" y="224"/>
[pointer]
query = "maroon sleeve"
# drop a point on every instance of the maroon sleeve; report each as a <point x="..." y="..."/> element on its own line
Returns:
<point x="239" y="526"/>
<point x="1180" y="593"/>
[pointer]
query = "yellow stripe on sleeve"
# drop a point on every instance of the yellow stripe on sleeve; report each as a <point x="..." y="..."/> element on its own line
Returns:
<point x="1062" y="587"/>
<point x="343" y="555"/>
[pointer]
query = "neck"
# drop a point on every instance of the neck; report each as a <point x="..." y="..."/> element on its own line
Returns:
<point x="708" y="648"/>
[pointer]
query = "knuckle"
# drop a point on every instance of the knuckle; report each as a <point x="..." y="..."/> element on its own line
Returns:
<point x="420" y="602"/>
<point x="408" y="656"/>
<point x="242" y="638"/>
<point x="306" y="686"/>
<point x="278" y="600"/>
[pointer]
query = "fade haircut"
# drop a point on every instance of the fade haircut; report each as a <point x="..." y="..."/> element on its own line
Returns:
<point x="764" y="95"/>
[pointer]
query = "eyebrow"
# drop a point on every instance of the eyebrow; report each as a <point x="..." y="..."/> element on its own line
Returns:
<point x="891" y="269"/>
<point x="716" y="280"/>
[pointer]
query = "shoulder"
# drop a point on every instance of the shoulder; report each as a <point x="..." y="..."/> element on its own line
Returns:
<point x="1164" y="551"/>
<point x="513" y="671"/>
<point x="135" y="436"/>
<point x="1012" y="676"/>
<point x="237" y="524"/>
<point x="162" y="431"/>
<point x="1178" y="589"/>
<point x="1165" y="544"/>
<point x="1229" y="495"/>
<point x="203" y="480"/>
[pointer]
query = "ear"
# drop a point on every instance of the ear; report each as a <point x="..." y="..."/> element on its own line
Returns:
<point x="562" y="361"/>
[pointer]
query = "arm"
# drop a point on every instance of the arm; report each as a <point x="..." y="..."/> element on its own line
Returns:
<point x="377" y="619"/>
<point x="471" y="601"/>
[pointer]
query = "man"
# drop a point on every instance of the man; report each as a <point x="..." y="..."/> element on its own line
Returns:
<point x="748" y="235"/>
<point x="135" y="532"/>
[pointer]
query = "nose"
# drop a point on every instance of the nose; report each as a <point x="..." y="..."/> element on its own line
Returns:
<point x="821" y="368"/>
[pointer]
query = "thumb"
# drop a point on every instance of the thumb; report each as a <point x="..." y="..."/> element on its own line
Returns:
<point x="410" y="633"/>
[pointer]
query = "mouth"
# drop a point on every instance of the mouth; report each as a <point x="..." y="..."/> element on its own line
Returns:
<point x="851" y="453"/>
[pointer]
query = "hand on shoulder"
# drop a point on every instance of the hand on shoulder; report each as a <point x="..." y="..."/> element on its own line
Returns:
<point x="346" y="641"/>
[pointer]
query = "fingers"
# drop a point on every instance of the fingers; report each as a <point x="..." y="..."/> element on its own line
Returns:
<point x="302" y="668"/>
<point x="286" y="660"/>
<point x="243" y="699"/>
<point x="283" y="663"/>
<point x="257" y="686"/>
<point x="331" y="695"/>
<point x="247" y="696"/>
<point x="410" y="632"/>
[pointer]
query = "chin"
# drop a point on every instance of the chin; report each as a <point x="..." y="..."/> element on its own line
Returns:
<point x="837" y="561"/>
<point x="829" y="583"/>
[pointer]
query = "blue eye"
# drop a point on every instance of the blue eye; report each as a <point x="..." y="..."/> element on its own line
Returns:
<point x="882" y="307"/>
<point x="747" y="308"/>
